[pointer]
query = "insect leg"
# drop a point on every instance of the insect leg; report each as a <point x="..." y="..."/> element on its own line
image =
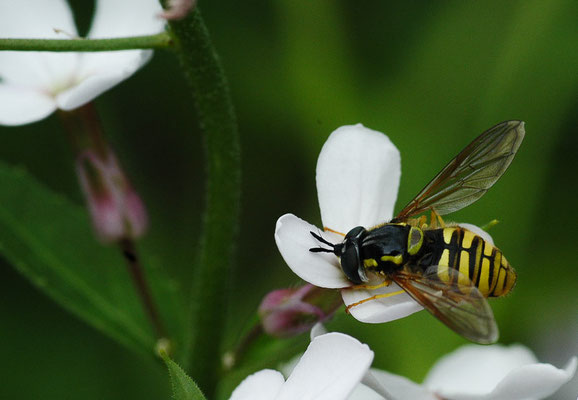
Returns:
<point x="377" y="296"/>
<point x="436" y="219"/>
<point x="441" y="221"/>
<point x="385" y="283"/>
<point x="433" y="222"/>
<point x="422" y="222"/>
<point x="490" y="224"/>
<point x="326" y="229"/>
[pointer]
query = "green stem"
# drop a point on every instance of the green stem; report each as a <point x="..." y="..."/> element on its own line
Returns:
<point x="86" y="134"/>
<point x="220" y="224"/>
<point x="138" y="277"/>
<point x="232" y="357"/>
<point x="159" y="41"/>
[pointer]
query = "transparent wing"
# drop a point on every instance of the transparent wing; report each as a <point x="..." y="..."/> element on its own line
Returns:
<point x="455" y="302"/>
<point x="471" y="173"/>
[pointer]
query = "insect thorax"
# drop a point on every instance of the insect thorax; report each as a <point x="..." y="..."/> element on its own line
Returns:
<point x="386" y="248"/>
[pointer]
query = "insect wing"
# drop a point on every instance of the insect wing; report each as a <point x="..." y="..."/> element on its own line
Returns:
<point x="455" y="302"/>
<point x="471" y="173"/>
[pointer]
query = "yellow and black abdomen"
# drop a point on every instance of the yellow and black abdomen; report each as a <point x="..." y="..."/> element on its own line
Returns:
<point x="476" y="259"/>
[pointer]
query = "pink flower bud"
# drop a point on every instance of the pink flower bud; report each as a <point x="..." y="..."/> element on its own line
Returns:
<point x="178" y="9"/>
<point x="116" y="209"/>
<point x="289" y="312"/>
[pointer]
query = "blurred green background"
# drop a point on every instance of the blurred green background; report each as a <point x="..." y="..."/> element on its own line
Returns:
<point x="432" y="75"/>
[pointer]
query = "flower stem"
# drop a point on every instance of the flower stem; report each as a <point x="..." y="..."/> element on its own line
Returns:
<point x="85" y="131"/>
<point x="232" y="357"/>
<point x="159" y="41"/>
<point x="221" y="218"/>
<point x="132" y="260"/>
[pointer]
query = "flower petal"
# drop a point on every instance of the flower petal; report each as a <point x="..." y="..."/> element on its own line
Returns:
<point x="262" y="385"/>
<point x="294" y="240"/>
<point x="495" y="372"/>
<point x="38" y="70"/>
<point x="42" y="71"/>
<point x="398" y="305"/>
<point x="317" y="330"/>
<point x="362" y="392"/>
<point x="98" y="73"/>
<point x="35" y="19"/>
<point x="20" y="105"/>
<point x="330" y="368"/>
<point x="478" y="231"/>
<point x="73" y="78"/>
<point x="533" y="381"/>
<point x="476" y="369"/>
<point x="392" y="386"/>
<point x="113" y="18"/>
<point x="358" y="173"/>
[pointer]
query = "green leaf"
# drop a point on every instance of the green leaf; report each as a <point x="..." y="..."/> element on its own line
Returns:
<point x="49" y="241"/>
<point x="184" y="388"/>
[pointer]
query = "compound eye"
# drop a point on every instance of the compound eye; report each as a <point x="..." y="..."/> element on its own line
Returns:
<point x="351" y="263"/>
<point x="414" y="240"/>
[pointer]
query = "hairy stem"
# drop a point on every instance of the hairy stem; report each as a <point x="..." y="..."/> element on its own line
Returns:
<point x="159" y="41"/>
<point x="136" y="272"/>
<point x="221" y="218"/>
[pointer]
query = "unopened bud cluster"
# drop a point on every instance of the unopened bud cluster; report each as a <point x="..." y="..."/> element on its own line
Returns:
<point x="116" y="209"/>
<point x="289" y="312"/>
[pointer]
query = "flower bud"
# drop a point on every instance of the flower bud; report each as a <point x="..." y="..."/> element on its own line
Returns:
<point x="178" y="9"/>
<point x="116" y="209"/>
<point x="289" y="312"/>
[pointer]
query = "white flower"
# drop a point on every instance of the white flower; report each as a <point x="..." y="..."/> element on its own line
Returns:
<point x="336" y="366"/>
<point x="358" y="174"/>
<point x="476" y="372"/>
<point x="34" y="84"/>
<point x="330" y="369"/>
<point x="472" y="372"/>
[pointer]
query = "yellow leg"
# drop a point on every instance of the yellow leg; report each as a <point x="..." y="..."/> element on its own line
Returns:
<point x="385" y="283"/>
<point x="420" y="222"/>
<point x="377" y="296"/>
<point x="441" y="221"/>
<point x="433" y="221"/>
<point x="436" y="220"/>
<point x="490" y="224"/>
<point x="326" y="229"/>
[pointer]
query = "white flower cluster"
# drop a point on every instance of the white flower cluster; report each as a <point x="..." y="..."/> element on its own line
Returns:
<point x="337" y="366"/>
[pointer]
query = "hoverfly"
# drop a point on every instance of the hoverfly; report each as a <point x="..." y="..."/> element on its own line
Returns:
<point x="447" y="269"/>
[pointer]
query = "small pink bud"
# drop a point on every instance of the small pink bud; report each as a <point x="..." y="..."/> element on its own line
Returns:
<point x="289" y="312"/>
<point x="116" y="209"/>
<point x="178" y="9"/>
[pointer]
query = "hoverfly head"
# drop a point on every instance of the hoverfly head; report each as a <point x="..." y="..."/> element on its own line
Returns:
<point x="349" y="252"/>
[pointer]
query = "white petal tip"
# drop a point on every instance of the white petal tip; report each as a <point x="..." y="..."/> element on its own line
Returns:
<point x="358" y="172"/>
<point x="294" y="239"/>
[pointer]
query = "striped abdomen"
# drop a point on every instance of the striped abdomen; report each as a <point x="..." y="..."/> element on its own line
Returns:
<point x="476" y="259"/>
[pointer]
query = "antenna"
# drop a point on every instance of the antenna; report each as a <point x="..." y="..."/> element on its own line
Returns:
<point x="321" y="249"/>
